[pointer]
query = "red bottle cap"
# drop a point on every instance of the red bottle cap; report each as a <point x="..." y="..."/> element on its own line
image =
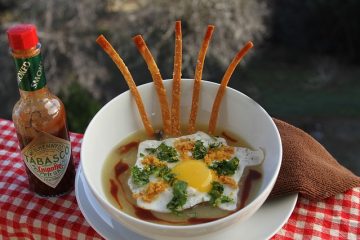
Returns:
<point x="22" y="37"/>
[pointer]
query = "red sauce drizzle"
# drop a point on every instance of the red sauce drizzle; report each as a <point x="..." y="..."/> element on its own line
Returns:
<point x="114" y="192"/>
<point x="120" y="168"/>
<point x="253" y="175"/>
<point x="145" y="214"/>
<point x="231" y="139"/>
<point x="126" y="197"/>
<point x="127" y="147"/>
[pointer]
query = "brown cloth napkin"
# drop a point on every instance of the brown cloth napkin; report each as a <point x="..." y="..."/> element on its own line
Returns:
<point x="307" y="168"/>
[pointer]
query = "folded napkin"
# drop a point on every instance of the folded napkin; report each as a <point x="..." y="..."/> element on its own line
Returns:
<point x="307" y="168"/>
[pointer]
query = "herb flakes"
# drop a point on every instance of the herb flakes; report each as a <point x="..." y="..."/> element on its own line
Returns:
<point x="199" y="151"/>
<point x="164" y="153"/>
<point x="225" y="167"/>
<point x="216" y="195"/>
<point x="180" y="196"/>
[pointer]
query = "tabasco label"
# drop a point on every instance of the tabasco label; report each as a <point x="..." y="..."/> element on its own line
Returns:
<point x="47" y="157"/>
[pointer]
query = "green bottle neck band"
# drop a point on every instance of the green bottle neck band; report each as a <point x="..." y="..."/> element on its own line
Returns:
<point x="30" y="73"/>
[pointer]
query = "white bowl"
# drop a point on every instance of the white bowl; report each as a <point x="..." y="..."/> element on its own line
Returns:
<point x="119" y="118"/>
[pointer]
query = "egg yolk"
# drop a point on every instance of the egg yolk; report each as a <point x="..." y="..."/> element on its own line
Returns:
<point x="195" y="173"/>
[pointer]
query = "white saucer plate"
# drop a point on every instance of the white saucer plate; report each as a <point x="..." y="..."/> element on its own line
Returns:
<point x="266" y="222"/>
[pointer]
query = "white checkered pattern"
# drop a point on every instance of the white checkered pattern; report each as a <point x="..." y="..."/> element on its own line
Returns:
<point x="334" y="218"/>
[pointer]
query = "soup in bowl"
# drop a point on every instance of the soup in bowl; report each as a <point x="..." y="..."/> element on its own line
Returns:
<point x="115" y="153"/>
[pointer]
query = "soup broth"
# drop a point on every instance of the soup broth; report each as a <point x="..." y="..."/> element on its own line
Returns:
<point x="117" y="171"/>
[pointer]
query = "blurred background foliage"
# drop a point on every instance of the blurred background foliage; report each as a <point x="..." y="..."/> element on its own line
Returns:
<point x="304" y="67"/>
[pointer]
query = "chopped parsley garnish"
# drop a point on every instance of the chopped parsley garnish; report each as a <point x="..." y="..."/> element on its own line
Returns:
<point x="225" y="167"/>
<point x="215" y="145"/>
<point x="216" y="194"/>
<point x="200" y="150"/>
<point x="180" y="196"/>
<point x="151" y="150"/>
<point x="226" y="199"/>
<point x="142" y="155"/>
<point x="140" y="177"/>
<point x="166" y="174"/>
<point x="164" y="153"/>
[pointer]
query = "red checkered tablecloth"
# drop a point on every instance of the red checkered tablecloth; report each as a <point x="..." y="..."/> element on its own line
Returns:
<point x="26" y="216"/>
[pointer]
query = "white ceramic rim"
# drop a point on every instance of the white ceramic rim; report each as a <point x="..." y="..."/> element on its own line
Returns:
<point x="230" y="217"/>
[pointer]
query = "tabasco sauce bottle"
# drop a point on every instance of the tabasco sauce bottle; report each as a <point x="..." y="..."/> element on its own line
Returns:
<point x="40" y="120"/>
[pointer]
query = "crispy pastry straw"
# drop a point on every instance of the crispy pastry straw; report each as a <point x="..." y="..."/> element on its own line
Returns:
<point x="224" y="83"/>
<point x="175" y="107"/>
<point x="158" y="81"/>
<point x="101" y="40"/>
<point x="198" y="76"/>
